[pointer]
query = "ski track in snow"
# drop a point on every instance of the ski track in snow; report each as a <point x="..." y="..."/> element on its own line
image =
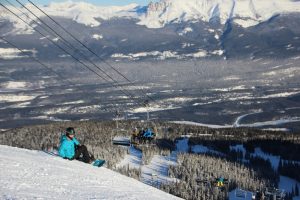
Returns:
<point x="27" y="174"/>
<point x="132" y="160"/>
<point x="233" y="195"/>
<point x="274" y="160"/>
<point x="157" y="171"/>
<point x="287" y="184"/>
<point x="182" y="145"/>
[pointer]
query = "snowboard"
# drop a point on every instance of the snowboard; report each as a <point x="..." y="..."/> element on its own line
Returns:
<point x="98" y="163"/>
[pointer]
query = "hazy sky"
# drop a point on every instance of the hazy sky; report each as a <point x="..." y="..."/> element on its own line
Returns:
<point x="97" y="2"/>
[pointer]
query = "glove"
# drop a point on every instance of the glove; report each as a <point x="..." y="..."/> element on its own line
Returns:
<point x="68" y="158"/>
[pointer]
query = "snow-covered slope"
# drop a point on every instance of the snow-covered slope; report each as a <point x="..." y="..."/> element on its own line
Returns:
<point x="29" y="174"/>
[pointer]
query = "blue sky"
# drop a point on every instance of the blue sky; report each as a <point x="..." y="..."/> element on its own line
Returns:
<point x="97" y="2"/>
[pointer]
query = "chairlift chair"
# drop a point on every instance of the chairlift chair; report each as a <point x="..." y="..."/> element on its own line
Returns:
<point x="119" y="135"/>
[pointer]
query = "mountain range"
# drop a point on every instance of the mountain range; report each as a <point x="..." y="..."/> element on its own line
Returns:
<point x="165" y="29"/>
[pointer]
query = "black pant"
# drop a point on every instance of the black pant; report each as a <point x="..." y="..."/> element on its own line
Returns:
<point x="82" y="154"/>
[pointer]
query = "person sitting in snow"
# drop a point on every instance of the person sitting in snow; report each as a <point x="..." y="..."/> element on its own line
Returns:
<point x="71" y="149"/>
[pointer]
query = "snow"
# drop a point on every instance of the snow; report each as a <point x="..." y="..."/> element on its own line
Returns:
<point x="81" y="12"/>
<point x="274" y="160"/>
<point x="234" y="88"/>
<point x="12" y="53"/>
<point x="182" y="145"/>
<point x="97" y="37"/>
<point x="283" y="94"/>
<point x="218" y="52"/>
<point x="239" y="147"/>
<point x="296" y="58"/>
<point x="15" y="97"/>
<point x="186" y="30"/>
<point x="233" y="195"/>
<point x="64" y="56"/>
<point x="15" y="84"/>
<point x="287" y="184"/>
<point x="179" y="99"/>
<point x="201" y="53"/>
<point x="157" y="171"/>
<point x="136" y="56"/>
<point x="86" y="109"/>
<point x="277" y="129"/>
<point x="154" y="108"/>
<point x="230" y="78"/>
<point x="204" y="149"/>
<point x="245" y="13"/>
<point x="19" y="105"/>
<point x="72" y="102"/>
<point x="132" y="160"/>
<point x="185" y="45"/>
<point x="55" y="39"/>
<point x="29" y="174"/>
<point x="201" y="124"/>
<point x="271" y="123"/>
<point x="238" y="124"/>
<point x="60" y="110"/>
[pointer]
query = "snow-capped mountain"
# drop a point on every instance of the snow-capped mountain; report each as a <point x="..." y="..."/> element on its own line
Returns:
<point x="245" y="13"/>
<point x="166" y="29"/>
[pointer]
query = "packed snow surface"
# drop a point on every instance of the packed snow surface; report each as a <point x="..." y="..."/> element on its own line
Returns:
<point x="132" y="160"/>
<point x="288" y="184"/>
<point x="157" y="171"/>
<point x="27" y="174"/>
<point x="239" y="194"/>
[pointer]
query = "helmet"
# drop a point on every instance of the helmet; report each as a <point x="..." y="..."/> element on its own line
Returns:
<point x="70" y="131"/>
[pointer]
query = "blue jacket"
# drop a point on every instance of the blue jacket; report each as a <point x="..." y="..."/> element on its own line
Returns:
<point x="67" y="147"/>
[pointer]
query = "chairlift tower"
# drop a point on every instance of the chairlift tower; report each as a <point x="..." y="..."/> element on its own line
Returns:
<point x="118" y="114"/>
<point x="146" y="104"/>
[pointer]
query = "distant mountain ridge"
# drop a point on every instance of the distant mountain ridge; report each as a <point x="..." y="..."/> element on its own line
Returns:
<point x="246" y="13"/>
<point x="168" y="29"/>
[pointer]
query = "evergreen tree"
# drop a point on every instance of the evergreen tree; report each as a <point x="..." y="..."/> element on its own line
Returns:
<point x="296" y="190"/>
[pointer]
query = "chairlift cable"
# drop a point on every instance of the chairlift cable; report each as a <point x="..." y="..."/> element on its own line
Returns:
<point x="66" y="42"/>
<point x="122" y="90"/>
<point x="90" y="50"/>
<point x="90" y="69"/>
<point x="38" y="61"/>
